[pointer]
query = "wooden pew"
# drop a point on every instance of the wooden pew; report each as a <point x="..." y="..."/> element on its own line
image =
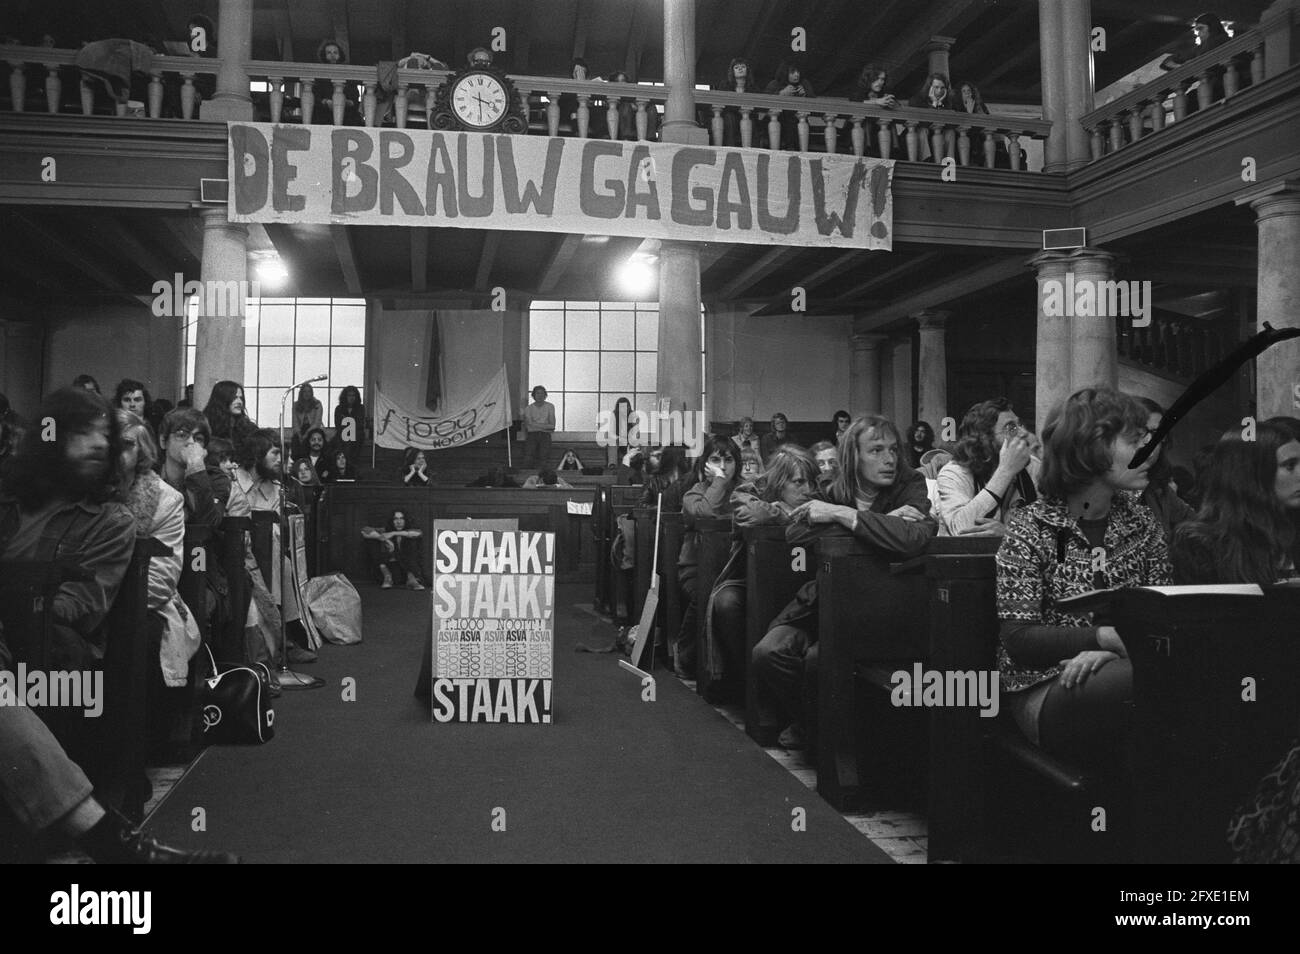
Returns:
<point x="714" y="549"/>
<point x="229" y="646"/>
<point x="601" y="535"/>
<point x="623" y="501"/>
<point x="774" y="571"/>
<point x="644" y="518"/>
<point x="1201" y="747"/>
<point x="670" y="593"/>
<point x="193" y="585"/>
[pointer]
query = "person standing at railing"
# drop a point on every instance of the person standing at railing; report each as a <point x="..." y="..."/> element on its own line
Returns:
<point x="935" y="94"/>
<point x="790" y="81"/>
<point x="971" y="101"/>
<point x="873" y="88"/>
<point x="740" y="78"/>
<point x="332" y="52"/>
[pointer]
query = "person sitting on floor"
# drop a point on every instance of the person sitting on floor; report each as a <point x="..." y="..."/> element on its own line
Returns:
<point x="880" y="500"/>
<point x="401" y="552"/>
<point x="1066" y="678"/>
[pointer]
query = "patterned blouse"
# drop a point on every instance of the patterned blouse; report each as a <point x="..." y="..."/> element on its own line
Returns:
<point x="1045" y="557"/>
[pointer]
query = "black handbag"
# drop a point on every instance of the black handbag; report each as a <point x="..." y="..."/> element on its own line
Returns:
<point x="235" y="704"/>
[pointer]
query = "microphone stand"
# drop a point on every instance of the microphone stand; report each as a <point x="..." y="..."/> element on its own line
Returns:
<point x="288" y="678"/>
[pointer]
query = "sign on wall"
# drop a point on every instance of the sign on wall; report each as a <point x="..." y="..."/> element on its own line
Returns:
<point x="363" y="176"/>
<point x="493" y="625"/>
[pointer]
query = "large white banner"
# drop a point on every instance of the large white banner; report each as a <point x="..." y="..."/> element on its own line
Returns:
<point x="345" y="175"/>
<point x="487" y="413"/>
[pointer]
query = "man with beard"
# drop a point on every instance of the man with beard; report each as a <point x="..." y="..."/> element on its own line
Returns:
<point x="258" y="477"/>
<point x="315" y="442"/>
<point x="57" y="502"/>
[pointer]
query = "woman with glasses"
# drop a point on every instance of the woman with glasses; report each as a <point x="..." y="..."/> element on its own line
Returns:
<point x="1065" y="676"/>
<point x="992" y="472"/>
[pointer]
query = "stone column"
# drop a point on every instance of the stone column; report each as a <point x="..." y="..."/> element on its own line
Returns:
<point x="864" y="373"/>
<point x="902" y="370"/>
<point x="887" y="383"/>
<point x="1076" y="65"/>
<point x="1050" y="31"/>
<point x="1052" y="349"/>
<point x="937" y="54"/>
<point x="932" y="368"/>
<point x="219" y="338"/>
<point x="1094" y="354"/>
<point x="679" y="75"/>
<point x="679" y="326"/>
<point x="1277" y="370"/>
<point x="234" y="46"/>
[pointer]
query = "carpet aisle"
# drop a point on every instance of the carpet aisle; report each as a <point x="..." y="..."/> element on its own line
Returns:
<point x="613" y="779"/>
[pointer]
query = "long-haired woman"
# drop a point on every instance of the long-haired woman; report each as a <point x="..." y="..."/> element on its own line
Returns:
<point x="402" y="552"/>
<point x="227" y="414"/>
<point x="1244" y="531"/>
<point x="936" y="94"/>
<point x="1066" y="679"/>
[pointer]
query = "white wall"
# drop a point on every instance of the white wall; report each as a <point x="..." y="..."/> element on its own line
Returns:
<point x="758" y="366"/>
<point x="111" y="342"/>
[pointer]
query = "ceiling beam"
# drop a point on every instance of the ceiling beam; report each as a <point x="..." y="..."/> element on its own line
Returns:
<point x="188" y="231"/>
<point x="132" y="249"/>
<point x="347" y="258"/>
<point x="761" y="22"/>
<point x="836" y="266"/>
<point x="945" y="18"/>
<point x="1178" y="11"/>
<point x="967" y="59"/>
<point x="953" y="287"/>
<point x="1011" y="63"/>
<point x="763" y="265"/>
<point x="291" y="251"/>
<point x="581" y="18"/>
<point x="486" y="259"/>
<point x="891" y="274"/>
<point x="48" y="236"/>
<point x="419" y="259"/>
<point x="711" y="254"/>
<point x="850" y="51"/>
<point x="566" y="246"/>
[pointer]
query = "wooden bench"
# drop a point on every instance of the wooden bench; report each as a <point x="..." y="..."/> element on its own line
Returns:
<point x="714" y="549"/>
<point x="774" y="572"/>
<point x="670" y="591"/>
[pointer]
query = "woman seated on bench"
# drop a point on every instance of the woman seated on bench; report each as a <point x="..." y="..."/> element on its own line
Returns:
<point x="1068" y="680"/>
<point x="401" y="552"/>
<point x="789" y="481"/>
<point x="709" y="497"/>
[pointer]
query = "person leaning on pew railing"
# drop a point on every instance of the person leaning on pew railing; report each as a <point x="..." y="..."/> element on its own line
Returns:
<point x="827" y="459"/>
<point x="882" y="501"/>
<point x="1066" y="678"/>
<point x="992" y="472"/>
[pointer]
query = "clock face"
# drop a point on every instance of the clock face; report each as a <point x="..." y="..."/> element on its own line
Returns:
<point x="479" y="100"/>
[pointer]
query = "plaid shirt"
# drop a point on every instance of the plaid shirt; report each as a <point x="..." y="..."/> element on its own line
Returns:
<point x="1044" y="557"/>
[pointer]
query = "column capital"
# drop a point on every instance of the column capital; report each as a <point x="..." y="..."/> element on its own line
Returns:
<point x="217" y="217"/>
<point x="932" y="319"/>
<point x="1275" y="198"/>
<point x="867" y="341"/>
<point x="1044" y="260"/>
<point x="939" y="43"/>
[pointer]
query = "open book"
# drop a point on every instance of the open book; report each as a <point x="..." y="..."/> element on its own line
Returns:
<point x="1094" y="600"/>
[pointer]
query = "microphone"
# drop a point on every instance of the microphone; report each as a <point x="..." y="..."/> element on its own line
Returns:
<point x="319" y="377"/>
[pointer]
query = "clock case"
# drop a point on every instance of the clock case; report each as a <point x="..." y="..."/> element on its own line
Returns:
<point x="513" y="120"/>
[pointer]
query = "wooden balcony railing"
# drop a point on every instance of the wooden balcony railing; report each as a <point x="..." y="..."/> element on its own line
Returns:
<point x="54" y="61"/>
<point x="1176" y="345"/>
<point x="1219" y="75"/>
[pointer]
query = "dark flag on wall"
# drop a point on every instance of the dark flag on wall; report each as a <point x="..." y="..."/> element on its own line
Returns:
<point x="433" y="391"/>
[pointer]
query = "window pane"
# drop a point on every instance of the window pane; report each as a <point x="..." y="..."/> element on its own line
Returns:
<point x="617" y="329"/>
<point x="647" y="331"/>
<point x="582" y="330"/>
<point x="347" y="366"/>
<point x="349" y="324"/>
<point x="582" y="305"/>
<point x="579" y="412"/>
<point x="581" y="370"/>
<point x="546" y="329"/>
<point x="646" y="371"/>
<point x="275" y="368"/>
<point x="313" y="324"/>
<point x="617" y="370"/>
<point x="275" y="324"/>
<point x="250" y="368"/>
<point x="645" y="402"/>
<point x="310" y="362"/>
<point x="547" y="369"/>
<point x="190" y="355"/>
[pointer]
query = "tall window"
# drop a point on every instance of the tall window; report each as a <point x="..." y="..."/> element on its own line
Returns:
<point x="287" y="340"/>
<point x="588" y="354"/>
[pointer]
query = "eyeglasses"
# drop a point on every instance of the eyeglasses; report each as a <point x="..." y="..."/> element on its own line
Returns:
<point x="1010" y="428"/>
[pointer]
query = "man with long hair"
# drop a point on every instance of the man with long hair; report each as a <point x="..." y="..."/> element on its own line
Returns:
<point x="58" y="501"/>
<point x="882" y="501"/>
<point x="992" y="471"/>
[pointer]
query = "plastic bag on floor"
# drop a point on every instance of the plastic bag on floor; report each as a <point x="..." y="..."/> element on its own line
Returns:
<point x="335" y="608"/>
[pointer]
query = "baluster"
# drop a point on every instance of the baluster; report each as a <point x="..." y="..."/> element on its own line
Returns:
<point x="53" y="87"/>
<point x="913" y="141"/>
<point x="1230" y="78"/>
<point x="1205" y="92"/>
<point x="1098" y="144"/>
<point x="990" y="149"/>
<point x="370" y="103"/>
<point x="746" y="127"/>
<point x="552" y="114"/>
<point x="963" y="145"/>
<point x="584" y="115"/>
<point x="858" y="136"/>
<point x="1135" y="117"/>
<point x="308" y="100"/>
<point x="1158" y="113"/>
<point x="937" y="152"/>
<point x="774" y="130"/>
<point x="1257" y="65"/>
<point x="277" y="97"/>
<point x="830" y="134"/>
<point x="189" y="95"/>
<point x="18" y="85"/>
<point x="338" y="101"/>
<point x="885" y="136"/>
<point x="87" y="99"/>
<point x="717" y="126"/>
<point x="1116" y="133"/>
<point x="1180" y="102"/>
<point x="1014" y="147"/>
<point x="155" y="94"/>
<point x="523" y="106"/>
<point x="642" y="120"/>
<point x="119" y="109"/>
<point x="611" y="116"/>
